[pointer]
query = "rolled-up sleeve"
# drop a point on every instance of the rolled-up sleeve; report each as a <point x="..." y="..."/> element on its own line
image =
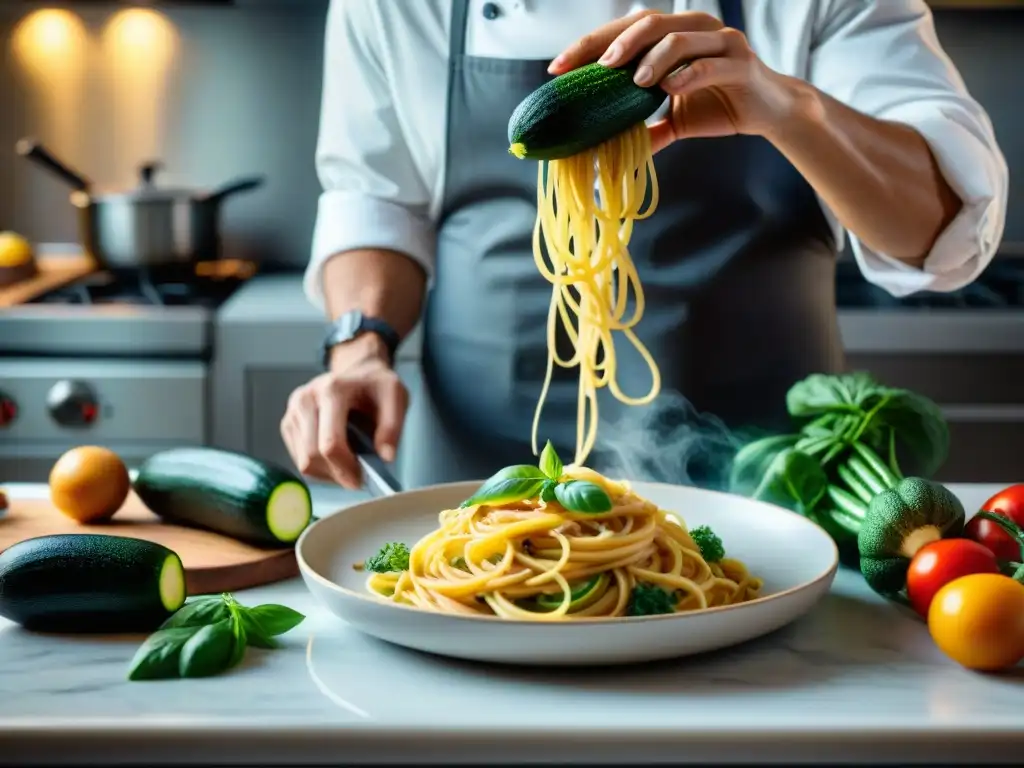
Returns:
<point x="883" y="58"/>
<point x="373" y="193"/>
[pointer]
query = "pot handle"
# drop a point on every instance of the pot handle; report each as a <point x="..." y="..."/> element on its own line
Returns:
<point x="243" y="184"/>
<point x="377" y="476"/>
<point x="35" y="152"/>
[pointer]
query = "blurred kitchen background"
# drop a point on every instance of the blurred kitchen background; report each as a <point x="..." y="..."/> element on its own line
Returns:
<point x="215" y="91"/>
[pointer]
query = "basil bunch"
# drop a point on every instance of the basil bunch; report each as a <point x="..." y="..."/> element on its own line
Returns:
<point x="209" y="635"/>
<point x="523" y="481"/>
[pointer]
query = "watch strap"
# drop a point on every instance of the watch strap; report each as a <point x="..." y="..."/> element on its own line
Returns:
<point x="354" y="324"/>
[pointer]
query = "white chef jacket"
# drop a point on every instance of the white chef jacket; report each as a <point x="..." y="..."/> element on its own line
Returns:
<point x="381" y="152"/>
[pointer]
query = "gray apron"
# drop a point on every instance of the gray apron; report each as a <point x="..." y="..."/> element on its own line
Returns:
<point x="737" y="265"/>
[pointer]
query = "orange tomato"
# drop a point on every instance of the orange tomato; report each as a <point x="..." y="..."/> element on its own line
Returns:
<point x="978" y="621"/>
<point x="89" y="484"/>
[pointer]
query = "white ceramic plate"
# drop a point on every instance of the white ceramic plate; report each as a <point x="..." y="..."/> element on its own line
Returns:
<point x="796" y="559"/>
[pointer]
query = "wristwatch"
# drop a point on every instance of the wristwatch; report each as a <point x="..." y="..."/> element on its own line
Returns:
<point x="354" y="323"/>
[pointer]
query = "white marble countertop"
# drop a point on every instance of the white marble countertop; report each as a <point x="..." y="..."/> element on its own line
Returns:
<point x="856" y="680"/>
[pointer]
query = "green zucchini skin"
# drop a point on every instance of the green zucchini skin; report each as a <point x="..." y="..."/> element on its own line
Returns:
<point x="220" y="491"/>
<point x="87" y="583"/>
<point x="580" y="110"/>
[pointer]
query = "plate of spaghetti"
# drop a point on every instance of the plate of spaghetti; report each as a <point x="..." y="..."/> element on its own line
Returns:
<point x="562" y="565"/>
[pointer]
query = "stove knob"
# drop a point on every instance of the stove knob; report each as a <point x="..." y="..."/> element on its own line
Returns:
<point x="8" y="410"/>
<point x="72" y="404"/>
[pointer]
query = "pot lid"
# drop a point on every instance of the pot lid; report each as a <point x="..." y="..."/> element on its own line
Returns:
<point x="147" y="191"/>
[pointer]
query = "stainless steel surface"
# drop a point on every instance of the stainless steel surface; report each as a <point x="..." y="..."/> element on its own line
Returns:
<point x="141" y="406"/>
<point x="107" y="330"/>
<point x="148" y="226"/>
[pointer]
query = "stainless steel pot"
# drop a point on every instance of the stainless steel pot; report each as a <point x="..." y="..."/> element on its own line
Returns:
<point x="148" y="226"/>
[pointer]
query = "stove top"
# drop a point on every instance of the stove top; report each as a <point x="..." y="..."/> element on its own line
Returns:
<point x="204" y="288"/>
<point x="999" y="287"/>
<point x="128" y="314"/>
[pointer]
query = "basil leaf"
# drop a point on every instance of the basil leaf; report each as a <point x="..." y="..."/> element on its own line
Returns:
<point x="583" y="496"/>
<point x="275" y="619"/>
<point x="550" y="462"/>
<point x="209" y="651"/>
<point x="240" y="635"/>
<point x="514" y="483"/>
<point x="547" y="491"/>
<point x="198" y="613"/>
<point x="255" y="635"/>
<point x="157" y="657"/>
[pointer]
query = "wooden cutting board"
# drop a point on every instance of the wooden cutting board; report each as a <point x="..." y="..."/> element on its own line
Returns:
<point x="53" y="272"/>
<point x="213" y="563"/>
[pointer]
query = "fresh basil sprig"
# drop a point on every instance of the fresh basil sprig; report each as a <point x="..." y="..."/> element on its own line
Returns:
<point x="209" y="635"/>
<point x="523" y="481"/>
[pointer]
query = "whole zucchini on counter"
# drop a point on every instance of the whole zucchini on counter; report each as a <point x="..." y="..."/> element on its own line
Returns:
<point x="84" y="582"/>
<point x="226" y="492"/>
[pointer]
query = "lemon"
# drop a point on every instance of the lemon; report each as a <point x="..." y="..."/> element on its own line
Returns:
<point x="15" y="250"/>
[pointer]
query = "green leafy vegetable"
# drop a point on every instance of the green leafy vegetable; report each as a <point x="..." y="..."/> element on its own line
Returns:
<point x="547" y="491"/>
<point x="650" y="600"/>
<point x="209" y="651"/>
<point x="522" y="481"/>
<point x="583" y="496"/>
<point x="199" y="613"/>
<point x="157" y="658"/>
<point x="393" y="557"/>
<point x="276" y="619"/>
<point x="793" y="480"/>
<point x="709" y="543"/>
<point x="858" y="433"/>
<point x="550" y="463"/>
<point x="510" y="484"/>
<point x="208" y="636"/>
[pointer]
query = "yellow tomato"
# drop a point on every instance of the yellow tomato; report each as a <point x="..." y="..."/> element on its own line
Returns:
<point x="978" y="621"/>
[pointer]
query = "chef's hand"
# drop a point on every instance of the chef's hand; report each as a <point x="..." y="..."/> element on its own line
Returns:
<point x="314" y="426"/>
<point x="725" y="90"/>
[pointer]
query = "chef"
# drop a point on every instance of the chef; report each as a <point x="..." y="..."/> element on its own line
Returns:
<point x="799" y="123"/>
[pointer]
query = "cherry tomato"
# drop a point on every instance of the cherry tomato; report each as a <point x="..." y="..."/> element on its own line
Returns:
<point x="1009" y="503"/>
<point x="938" y="563"/>
<point x="978" y="621"/>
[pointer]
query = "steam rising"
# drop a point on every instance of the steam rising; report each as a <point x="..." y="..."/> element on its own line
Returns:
<point x="669" y="441"/>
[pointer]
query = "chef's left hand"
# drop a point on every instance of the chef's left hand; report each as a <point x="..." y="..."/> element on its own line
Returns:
<point x="725" y="90"/>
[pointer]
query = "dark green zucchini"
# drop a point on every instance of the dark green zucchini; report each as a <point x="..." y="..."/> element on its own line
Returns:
<point x="85" y="582"/>
<point x="226" y="492"/>
<point x="579" y="110"/>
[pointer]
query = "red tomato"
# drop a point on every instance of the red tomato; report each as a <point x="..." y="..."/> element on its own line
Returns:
<point x="943" y="561"/>
<point x="1009" y="503"/>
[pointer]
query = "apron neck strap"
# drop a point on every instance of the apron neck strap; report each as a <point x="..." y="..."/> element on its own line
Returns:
<point x="732" y="14"/>
<point x="457" y="34"/>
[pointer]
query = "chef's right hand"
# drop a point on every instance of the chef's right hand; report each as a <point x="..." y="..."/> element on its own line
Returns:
<point x="314" y="426"/>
